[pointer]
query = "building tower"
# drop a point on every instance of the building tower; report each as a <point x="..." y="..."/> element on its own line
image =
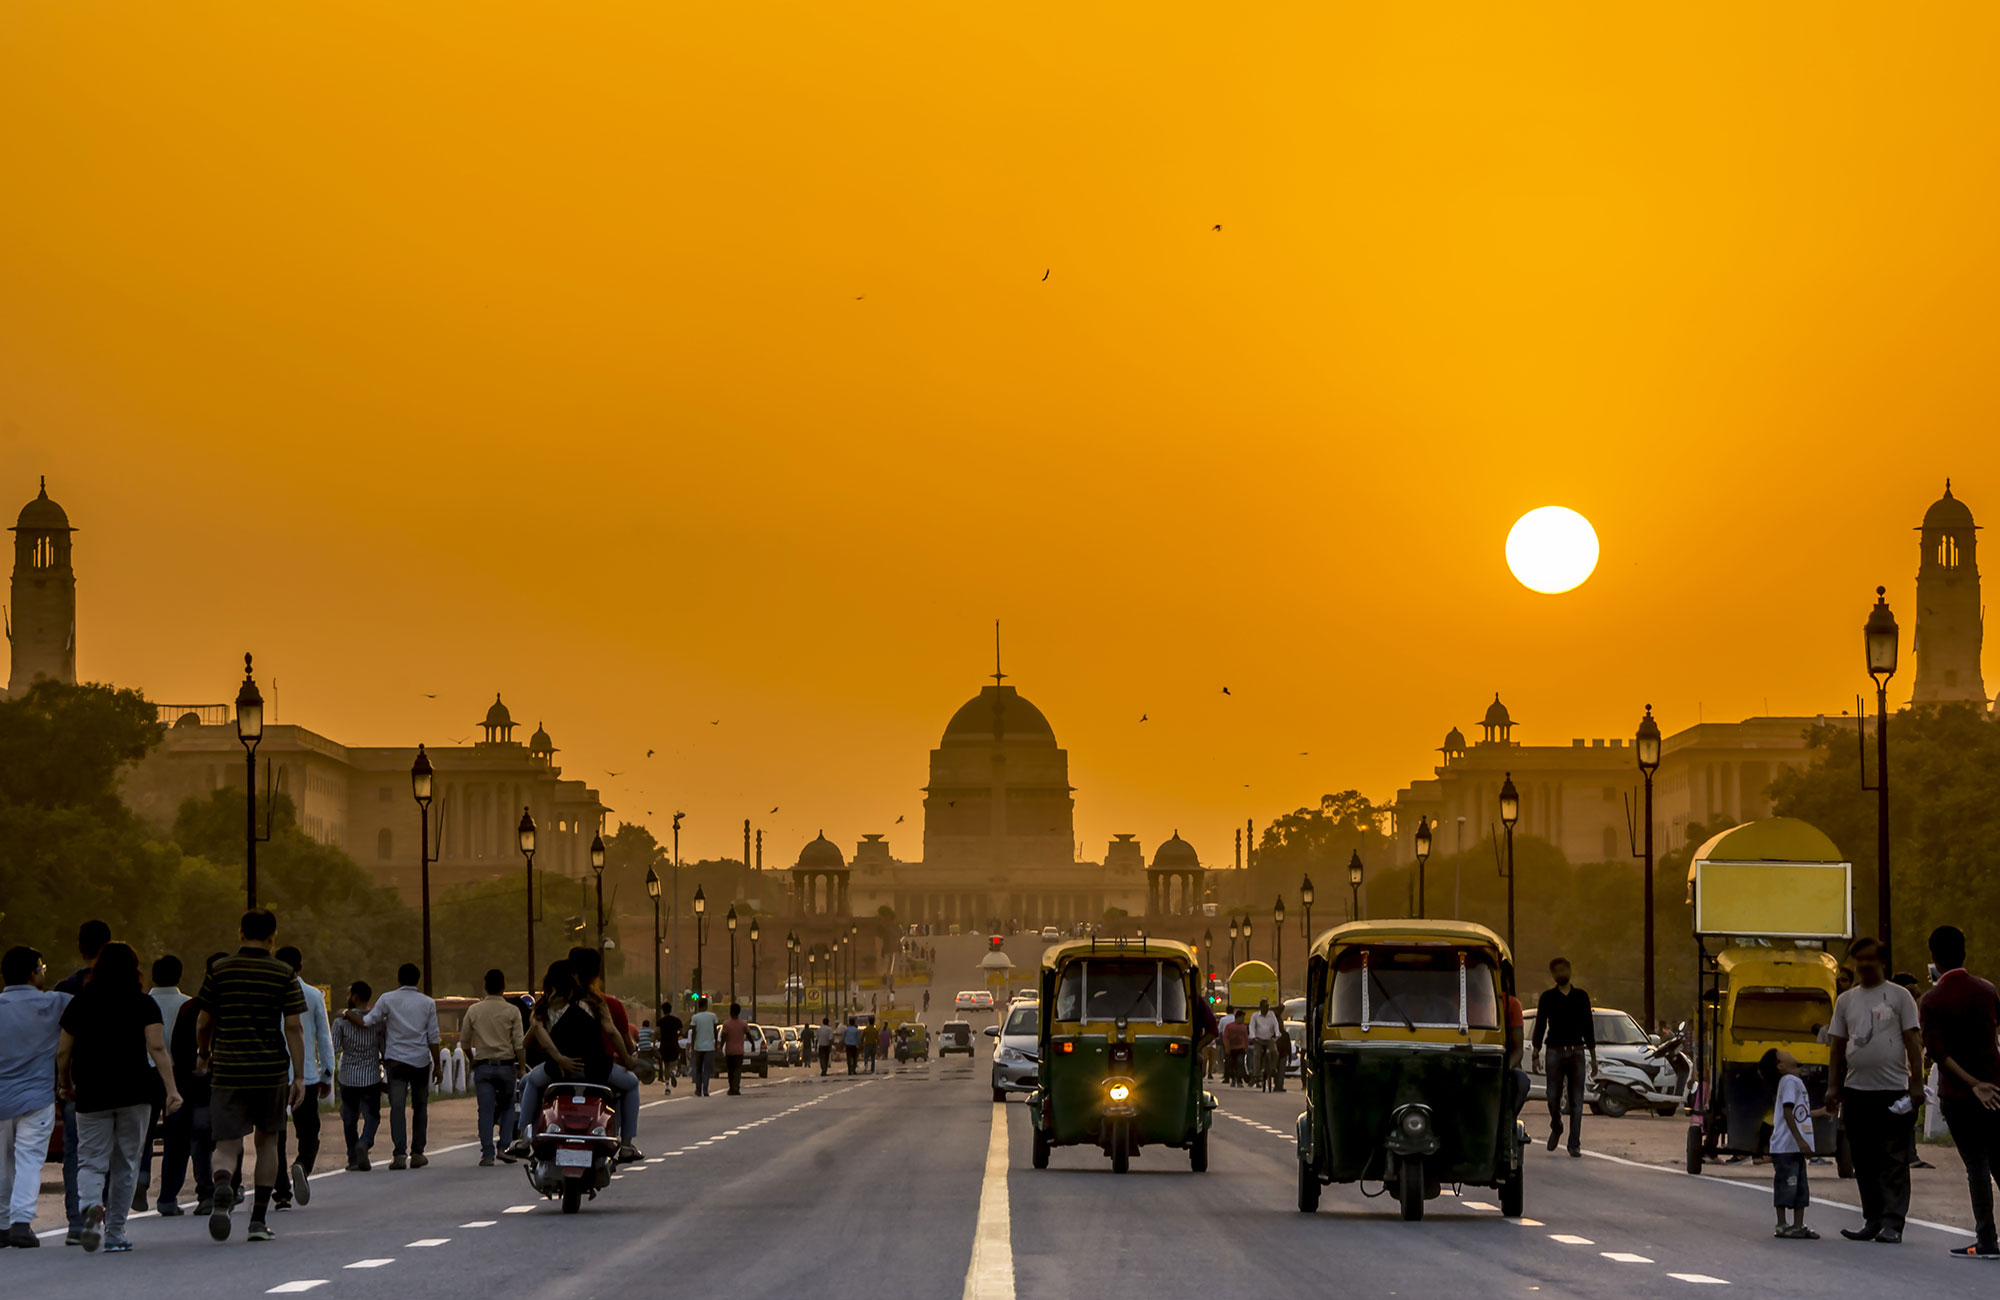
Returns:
<point x="41" y="623"/>
<point x="1948" y="613"/>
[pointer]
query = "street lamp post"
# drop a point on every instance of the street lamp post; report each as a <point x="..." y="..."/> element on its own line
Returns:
<point x="729" y="922"/>
<point x="1647" y="742"/>
<point x="249" y="730"/>
<point x="526" y="832"/>
<point x="653" y="892"/>
<point x="836" y="969"/>
<point x="1208" y="962"/>
<point x="791" y="959"/>
<point x="1278" y="942"/>
<point x="753" y="967"/>
<point x="597" y="869"/>
<point x="1233" y="931"/>
<point x="1249" y="953"/>
<point x="423" y="779"/>
<point x="1354" y="884"/>
<point x="1306" y="898"/>
<point x="1881" y="638"/>
<point x="700" y="938"/>
<point x="1510" y="812"/>
<point x="674" y="869"/>
<point x="1423" y="856"/>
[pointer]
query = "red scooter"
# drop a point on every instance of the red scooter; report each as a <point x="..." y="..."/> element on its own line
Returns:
<point x="574" y="1146"/>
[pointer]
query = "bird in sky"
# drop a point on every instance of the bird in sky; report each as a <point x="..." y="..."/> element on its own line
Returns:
<point x="859" y="296"/>
<point x="951" y="803"/>
<point x="649" y="753"/>
<point x="1225" y="690"/>
<point x="716" y="722"/>
<point x="461" y="740"/>
<point x="429" y="695"/>
<point x="608" y="772"/>
<point x="1045" y="274"/>
<point x="768" y="814"/>
<point x="899" y="821"/>
<point x="1142" y="717"/>
<point x="1304" y="752"/>
<point x="1218" y="225"/>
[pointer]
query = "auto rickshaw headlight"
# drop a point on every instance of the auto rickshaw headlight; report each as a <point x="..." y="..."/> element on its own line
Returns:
<point x="1120" y="1091"/>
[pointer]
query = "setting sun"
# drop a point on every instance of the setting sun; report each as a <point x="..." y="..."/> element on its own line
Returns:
<point x="1552" y="549"/>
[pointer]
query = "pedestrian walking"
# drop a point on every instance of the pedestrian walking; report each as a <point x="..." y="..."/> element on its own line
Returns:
<point x="851" y="1040"/>
<point x="735" y="1036"/>
<point x="109" y="1033"/>
<point x="91" y="937"/>
<point x="868" y="1048"/>
<point x="410" y="1053"/>
<point x="358" y="1072"/>
<point x="1791" y="1121"/>
<point x="1875" y="1084"/>
<point x="250" y="1042"/>
<point x="1265" y="1031"/>
<point x="294" y="1176"/>
<point x="491" y="1035"/>
<point x="1960" y="1016"/>
<point x="1235" y="1046"/>
<point x="670" y="1046"/>
<point x="702" y="1028"/>
<point x="190" y="1137"/>
<point x="825" y="1042"/>
<point x="886" y="1046"/>
<point x="30" y="1033"/>
<point x="166" y="993"/>
<point x="1563" y="1021"/>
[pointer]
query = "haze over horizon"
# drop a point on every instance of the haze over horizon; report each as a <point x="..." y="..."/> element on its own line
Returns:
<point x="700" y="390"/>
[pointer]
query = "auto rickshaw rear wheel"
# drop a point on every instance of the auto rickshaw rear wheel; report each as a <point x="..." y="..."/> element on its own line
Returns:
<point x="1410" y="1187"/>
<point x="1308" y="1189"/>
<point x="1198" y="1152"/>
<point x="1041" y="1149"/>
<point x="1121" y="1148"/>
<point x="1694" y="1150"/>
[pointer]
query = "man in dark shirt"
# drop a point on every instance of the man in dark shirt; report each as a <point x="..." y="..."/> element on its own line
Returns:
<point x="1563" y="1021"/>
<point x="669" y="1045"/>
<point x="1961" y="1018"/>
<point x="255" y="1068"/>
<point x="186" y="1132"/>
<point x="91" y="937"/>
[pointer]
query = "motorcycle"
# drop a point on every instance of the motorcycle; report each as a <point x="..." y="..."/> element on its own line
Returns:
<point x="574" y="1148"/>
<point x="1657" y="1081"/>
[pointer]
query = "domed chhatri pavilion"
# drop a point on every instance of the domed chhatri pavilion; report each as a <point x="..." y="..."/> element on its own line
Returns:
<point x="41" y="624"/>
<point x="999" y="839"/>
<point x="1949" y="617"/>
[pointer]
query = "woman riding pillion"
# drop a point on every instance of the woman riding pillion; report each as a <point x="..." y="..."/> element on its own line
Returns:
<point x="576" y="1032"/>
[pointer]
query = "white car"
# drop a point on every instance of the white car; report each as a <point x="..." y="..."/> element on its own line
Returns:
<point x="1618" y="1038"/>
<point x="1051" y="935"/>
<point x="973" y="1000"/>
<point x="1017" y="1057"/>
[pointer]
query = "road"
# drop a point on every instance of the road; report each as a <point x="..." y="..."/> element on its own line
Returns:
<point x="912" y="1182"/>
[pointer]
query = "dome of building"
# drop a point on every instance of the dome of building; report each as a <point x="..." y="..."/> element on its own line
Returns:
<point x="1946" y="512"/>
<point x="43" y="515"/>
<point x="1454" y="741"/>
<point x="540" y="743"/>
<point x="1176" y="852"/>
<point x="497" y="716"/>
<point x="998" y="713"/>
<point x="822" y="852"/>
<point x="1496" y="712"/>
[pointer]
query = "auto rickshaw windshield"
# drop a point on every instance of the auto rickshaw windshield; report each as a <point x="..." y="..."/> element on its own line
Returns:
<point x="1122" y="988"/>
<point x="1415" y="987"/>
<point x="1765" y="1015"/>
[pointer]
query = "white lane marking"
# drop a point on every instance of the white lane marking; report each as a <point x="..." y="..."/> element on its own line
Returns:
<point x="479" y="1223"/>
<point x="1624" y="1257"/>
<point x="990" y="1274"/>
<point x="1760" y="1188"/>
<point x="1701" y="1278"/>
<point x="1528" y="1223"/>
<point x="421" y="1242"/>
<point x="1478" y="1205"/>
<point x="286" y="1287"/>
<point x="1570" y="1239"/>
<point x="519" y="1209"/>
<point x="370" y="1263"/>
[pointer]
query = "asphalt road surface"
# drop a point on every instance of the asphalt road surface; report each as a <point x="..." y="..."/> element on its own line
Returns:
<point x="911" y="1182"/>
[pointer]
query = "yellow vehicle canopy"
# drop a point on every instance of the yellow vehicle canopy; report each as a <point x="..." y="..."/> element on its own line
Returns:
<point x="1777" y="997"/>
<point x="1253" y="982"/>
<point x="1778" y="878"/>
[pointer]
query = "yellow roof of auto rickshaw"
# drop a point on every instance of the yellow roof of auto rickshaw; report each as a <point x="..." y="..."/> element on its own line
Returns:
<point x="1253" y="972"/>
<point x="1784" y="967"/>
<point x="1059" y="953"/>
<point x="1410" y="930"/>
<point x="1773" y="839"/>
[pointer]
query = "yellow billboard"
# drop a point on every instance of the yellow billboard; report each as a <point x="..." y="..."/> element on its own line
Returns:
<point x="1774" y="900"/>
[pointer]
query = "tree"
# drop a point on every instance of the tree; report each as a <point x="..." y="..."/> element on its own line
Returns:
<point x="61" y="746"/>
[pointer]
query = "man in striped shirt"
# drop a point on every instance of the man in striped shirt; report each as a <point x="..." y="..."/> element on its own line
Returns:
<point x="254" y="1065"/>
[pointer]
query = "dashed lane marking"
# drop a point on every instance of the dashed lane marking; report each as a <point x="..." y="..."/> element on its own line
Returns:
<point x="1624" y="1257"/>
<point x="286" y="1288"/>
<point x="370" y="1263"/>
<point x="479" y="1223"/>
<point x="1570" y="1239"/>
<point x="422" y="1242"/>
<point x="1699" y="1278"/>
<point x="519" y="1209"/>
<point x="1530" y="1223"/>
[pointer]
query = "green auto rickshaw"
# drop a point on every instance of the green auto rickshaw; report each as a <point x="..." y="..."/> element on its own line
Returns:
<point x="1406" y="1076"/>
<point x="1119" y="1067"/>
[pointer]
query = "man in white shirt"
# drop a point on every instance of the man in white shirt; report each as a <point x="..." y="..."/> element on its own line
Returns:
<point x="1265" y="1031"/>
<point x="410" y="1056"/>
<point x="1878" y="1061"/>
<point x="317" y="1065"/>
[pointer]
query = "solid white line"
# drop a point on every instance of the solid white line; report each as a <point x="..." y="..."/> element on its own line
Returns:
<point x="370" y="1263"/>
<point x="1762" y="1187"/>
<point x="990" y="1275"/>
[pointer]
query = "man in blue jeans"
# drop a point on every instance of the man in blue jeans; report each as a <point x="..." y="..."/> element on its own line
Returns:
<point x="408" y="1020"/>
<point x="702" y="1029"/>
<point x="493" y="1041"/>
<point x="91" y="937"/>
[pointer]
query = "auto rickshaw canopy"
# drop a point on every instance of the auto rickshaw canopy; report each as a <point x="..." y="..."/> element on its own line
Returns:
<point x="1253" y="982"/>
<point x="1056" y="956"/>
<point x="1778" y="877"/>
<point x="1070" y="995"/>
<point x="1777" y="997"/>
<point x="1411" y="930"/>
<point x="1468" y="992"/>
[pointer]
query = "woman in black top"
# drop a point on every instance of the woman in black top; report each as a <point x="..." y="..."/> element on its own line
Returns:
<point x="574" y="1030"/>
<point x="108" y="1032"/>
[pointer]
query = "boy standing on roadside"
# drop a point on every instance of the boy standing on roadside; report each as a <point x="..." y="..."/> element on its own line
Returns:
<point x="1791" y="1120"/>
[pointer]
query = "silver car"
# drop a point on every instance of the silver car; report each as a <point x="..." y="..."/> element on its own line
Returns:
<point x="1017" y="1060"/>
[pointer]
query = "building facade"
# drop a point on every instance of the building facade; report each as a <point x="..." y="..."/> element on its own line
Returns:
<point x="41" y="614"/>
<point x="1950" y="620"/>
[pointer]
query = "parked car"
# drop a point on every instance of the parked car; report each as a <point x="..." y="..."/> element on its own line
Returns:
<point x="973" y="1000"/>
<point x="794" y="1047"/>
<point x="1295" y="1063"/>
<point x="954" y="1036"/>
<point x="1619" y="1037"/>
<point x="1017" y="1058"/>
<point x="757" y="1051"/>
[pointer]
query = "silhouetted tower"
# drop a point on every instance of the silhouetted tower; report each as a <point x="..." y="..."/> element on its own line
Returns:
<point x="41" y="623"/>
<point x="1949" y="617"/>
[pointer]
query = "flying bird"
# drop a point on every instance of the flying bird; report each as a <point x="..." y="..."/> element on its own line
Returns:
<point x="899" y="821"/>
<point x="1142" y="717"/>
<point x="716" y="722"/>
<point x="461" y="740"/>
<point x="608" y="772"/>
<point x="768" y="814"/>
<point x="1225" y="690"/>
<point x="429" y="696"/>
<point x="1045" y="274"/>
<point x="951" y="803"/>
<point x="1304" y="752"/>
<point x="1218" y="225"/>
<point x="649" y="753"/>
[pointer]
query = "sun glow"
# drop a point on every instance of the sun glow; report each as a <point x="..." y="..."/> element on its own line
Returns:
<point x="1552" y="549"/>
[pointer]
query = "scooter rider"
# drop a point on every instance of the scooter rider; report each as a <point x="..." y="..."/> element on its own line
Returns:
<point x="575" y="1030"/>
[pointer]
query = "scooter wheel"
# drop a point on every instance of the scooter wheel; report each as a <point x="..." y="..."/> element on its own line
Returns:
<point x="572" y="1196"/>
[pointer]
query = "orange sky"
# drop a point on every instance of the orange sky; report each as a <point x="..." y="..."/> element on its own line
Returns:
<point x="661" y="364"/>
